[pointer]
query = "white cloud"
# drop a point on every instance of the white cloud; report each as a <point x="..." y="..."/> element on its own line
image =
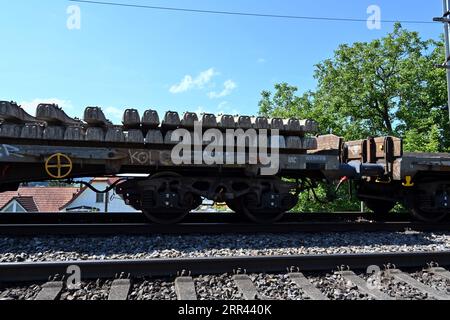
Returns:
<point x="229" y="86"/>
<point x="189" y="82"/>
<point x="261" y="60"/>
<point x="30" y="106"/>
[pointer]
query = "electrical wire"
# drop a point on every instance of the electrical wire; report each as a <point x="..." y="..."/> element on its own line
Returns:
<point x="248" y="14"/>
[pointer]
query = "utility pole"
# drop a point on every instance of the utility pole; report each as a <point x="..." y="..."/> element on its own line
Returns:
<point x="446" y="65"/>
<point x="107" y="202"/>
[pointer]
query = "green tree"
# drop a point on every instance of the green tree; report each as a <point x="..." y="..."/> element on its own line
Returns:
<point x="389" y="86"/>
<point x="415" y="141"/>
<point x="327" y="200"/>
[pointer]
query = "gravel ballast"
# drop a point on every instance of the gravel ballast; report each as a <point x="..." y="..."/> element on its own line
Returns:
<point x="98" y="290"/>
<point x="335" y="287"/>
<point x="434" y="281"/>
<point x="153" y="290"/>
<point x="269" y="286"/>
<point x="19" y="293"/>
<point x="279" y="287"/>
<point x="217" y="288"/>
<point x="166" y="246"/>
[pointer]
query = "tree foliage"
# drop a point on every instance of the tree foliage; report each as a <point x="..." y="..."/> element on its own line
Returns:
<point x="389" y="86"/>
<point x="327" y="200"/>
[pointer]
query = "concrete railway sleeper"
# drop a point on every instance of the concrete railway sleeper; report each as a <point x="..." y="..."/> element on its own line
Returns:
<point x="242" y="286"/>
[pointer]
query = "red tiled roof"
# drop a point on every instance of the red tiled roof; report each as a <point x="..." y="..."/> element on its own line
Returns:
<point x="46" y="199"/>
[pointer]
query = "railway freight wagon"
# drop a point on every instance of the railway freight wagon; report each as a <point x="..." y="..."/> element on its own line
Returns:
<point x="257" y="166"/>
<point x="387" y="176"/>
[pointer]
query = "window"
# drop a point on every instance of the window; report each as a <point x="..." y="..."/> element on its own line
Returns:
<point x="10" y="208"/>
<point x="14" y="207"/>
<point x="100" y="198"/>
<point x="19" y="208"/>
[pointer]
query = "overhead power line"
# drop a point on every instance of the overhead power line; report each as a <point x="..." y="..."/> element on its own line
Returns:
<point x="248" y="14"/>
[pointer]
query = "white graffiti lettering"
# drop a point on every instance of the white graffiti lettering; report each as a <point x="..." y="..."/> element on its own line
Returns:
<point x="7" y="151"/>
<point x="140" y="157"/>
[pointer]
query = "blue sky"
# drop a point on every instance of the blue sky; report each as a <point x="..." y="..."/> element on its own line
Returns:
<point x="130" y="57"/>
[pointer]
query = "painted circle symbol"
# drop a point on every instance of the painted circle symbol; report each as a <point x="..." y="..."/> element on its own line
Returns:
<point x="58" y="166"/>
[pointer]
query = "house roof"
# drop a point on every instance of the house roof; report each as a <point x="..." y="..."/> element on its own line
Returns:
<point x="41" y="199"/>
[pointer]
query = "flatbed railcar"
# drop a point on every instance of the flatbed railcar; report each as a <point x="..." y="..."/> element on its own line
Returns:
<point x="52" y="145"/>
<point x="387" y="176"/>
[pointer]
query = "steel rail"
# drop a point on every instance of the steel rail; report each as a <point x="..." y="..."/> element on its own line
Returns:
<point x="208" y="217"/>
<point x="27" y="272"/>
<point x="142" y="229"/>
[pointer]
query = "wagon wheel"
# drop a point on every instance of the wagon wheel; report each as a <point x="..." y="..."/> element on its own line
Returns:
<point x="243" y="206"/>
<point x="426" y="216"/>
<point x="234" y="205"/>
<point x="380" y="207"/>
<point x="418" y="212"/>
<point x="237" y="212"/>
<point x="167" y="217"/>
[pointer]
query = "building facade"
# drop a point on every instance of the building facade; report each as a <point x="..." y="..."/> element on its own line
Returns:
<point x="64" y="199"/>
<point x="86" y="200"/>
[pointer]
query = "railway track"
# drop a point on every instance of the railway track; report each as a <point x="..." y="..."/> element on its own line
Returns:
<point x="195" y="217"/>
<point x="184" y="276"/>
<point x="58" y="224"/>
<point x="102" y="224"/>
<point x="248" y="278"/>
<point x="136" y="229"/>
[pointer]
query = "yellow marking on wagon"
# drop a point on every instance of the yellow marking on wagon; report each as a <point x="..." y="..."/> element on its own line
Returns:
<point x="408" y="182"/>
<point x="58" y="166"/>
